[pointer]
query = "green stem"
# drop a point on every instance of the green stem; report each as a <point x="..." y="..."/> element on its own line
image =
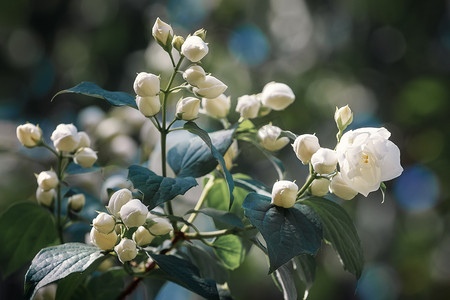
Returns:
<point x="43" y="144"/>
<point x="200" y="202"/>
<point x="59" y="173"/>
<point x="312" y="176"/>
<point x="217" y="233"/>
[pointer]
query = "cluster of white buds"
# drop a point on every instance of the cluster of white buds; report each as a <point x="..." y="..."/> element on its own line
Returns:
<point x="147" y="88"/>
<point x="112" y="230"/>
<point x="46" y="192"/>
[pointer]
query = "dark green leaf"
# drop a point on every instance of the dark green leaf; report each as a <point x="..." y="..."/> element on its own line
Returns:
<point x="73" y="168"/>
<point x="26" y="228"/>
<point x="252" y="185"/>
<point x="158" y="189"/>
<point x="93" y="90"/>
<point x="55" y="263"/>
<point x="207" y="263"/>
<point x="230" y="250"/>
<point x="224" y="141"/>
<point x="186" y="274"/>
<point x="305" y="266"/>
<point x="339" y="231"/>
<point x="288" y="232"/>
<point x="288" y="134"/>
<point x="285" y="280"/>
<point x="107" y="285"/>
<point x="221" y="216"/>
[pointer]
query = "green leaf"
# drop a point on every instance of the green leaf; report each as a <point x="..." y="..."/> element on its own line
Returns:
<point x="107" y="285"/>
<point x="221" y="216"/>
<point x="288" y="134"/>
<point x="288" y="232"/>
<point x="55" y="263"/>
<point x="305" y="267"/>
<point x="339" y="231"/>
<point x="26" y="228"/>
<point x="252" y="186"/>
<point x="93" y="90"/>
<point x="158" y="189"/>
<point x="224" y="140"/>
<point x="207" y="263"/>
<point x="74" y="168"/>
<point x="285" y="280"/>
<point x="186" y="274"/>
<point x="230" y="250"/>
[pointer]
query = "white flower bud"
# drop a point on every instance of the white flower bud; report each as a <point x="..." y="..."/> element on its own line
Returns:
<point x="194" y="48"/>
<point x="104" y="223"/>
<point x="277" y="96"/>
<point x="319" y="187"/>
<point x="85" y="140"/>
<point x="45" y="198"/>
<point x="47" y="180"/>
<point x="149" y="105"/>
<point x="126" y="250"/>
<point x="104" y="241"/>
<point x="305" y="146"/>
<point x="324" y="161"/>
<point x="194" y="75"/>
<point x="269" y="137"/>
<point x="177" y="42"/>
<point x="85" y="157"/>
<point x="29" y="135"/>
<point x="248" y="106"/>
<point x="187" y="108"/>
<point x="210" y="88"/>
<point x="200" y="33"/>
<point x="343" y="117"/>
<point x="146" y="84"/>
<point x="284" y="193"/>
<point x="142" y="236"/>
<point x="217" y="107"/>
<point x="160" y="226"/>
<point x="162" y="32"/>
<point x="65" y="137"/>
<point x="76" y="202"/>
<point x="341" y="189"/>
<point x="117" y="200"/>
<point x="133" y="213"/>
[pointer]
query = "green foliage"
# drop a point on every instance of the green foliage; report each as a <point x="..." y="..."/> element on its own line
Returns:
<point x="305" y="268"/>
<point x="157" y="189"/>
<point x="288" y="232"/>
<point x="285" y="281"/>
<point x="55" y="263"/>
<point x="207" y="263"/>
<point x="229" y="250"/>
<point x="221" y="216"/>
<point x="340" y="232"/>
<point x="27" y="228"/>
<point x="93" y="90"/>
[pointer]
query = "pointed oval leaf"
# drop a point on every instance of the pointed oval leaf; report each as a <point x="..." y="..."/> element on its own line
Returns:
<point x="55" y="263"/>
<point x="158" y="189"/>
<point x="288" y="232"/>
<point x="230" y="250"/>
<point x="305" y="267"/>
<point x="26" y="228"/>
<point x="93" y="90"/>
<point x="340" y="232"/>
<point x="285" y="280"/>
<point x="221" y="216"/>
<point x="207" y="263"/>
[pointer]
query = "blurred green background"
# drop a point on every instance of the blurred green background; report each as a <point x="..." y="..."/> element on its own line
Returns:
<point x="389" y="60"/>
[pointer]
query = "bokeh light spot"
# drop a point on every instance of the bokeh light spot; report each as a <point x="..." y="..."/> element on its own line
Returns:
<point x="186" y="13"/>
<point x="417" y="189"/>
<point x="249" y="45"/>
<point x="378" y="283"/>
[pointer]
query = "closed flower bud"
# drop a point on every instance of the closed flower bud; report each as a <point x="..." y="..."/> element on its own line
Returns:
<point x="177" y="42"/>
<point x="47" y="180"/>
<point x="343" y="117"/>
<point x="248" y="106"/>
<point x="194" y="48"/>
<point x="319" y="187"/>
<point x="76" y="202"/>
<point x="65" y="137"/>
<point x="194" y="75"/>
<point x="85" y="140"/>
<point x="201" y="33"/>
<point x="104" y="241"/>
<point x="217" y="107"/>
<point x="162" y="32"/>
<point x="85" y="157"/>
<point x="305" y="146"/>
<point x="146" y="84"/>
<point x="160" y="226"/>
<point x="126" y="250"/>
<point x="45" y="198"/>
<point x="269" y="137"/>
<point x="142" y="236"/>
<point x="29" y="135"/>
<point x="277" y="96"/>
<point x="187" y="108"/>
<point x="133" y="213"/>
<point x="341" y="189"/>
<point x="210" y="88"/>
<point x="117" y="200"/>
<point x="148" y="106"/>
<point x="104" y="223"/>
<point x="284" y="193"/>
<point x="324" y="161"/>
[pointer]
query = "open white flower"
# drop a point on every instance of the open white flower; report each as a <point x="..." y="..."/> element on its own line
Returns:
<point x="269" y="137"/>
<point x="366" y="158"/>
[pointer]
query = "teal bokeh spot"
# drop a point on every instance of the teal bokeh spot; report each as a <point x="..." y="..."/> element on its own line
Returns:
<point x="249" y="45"/>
